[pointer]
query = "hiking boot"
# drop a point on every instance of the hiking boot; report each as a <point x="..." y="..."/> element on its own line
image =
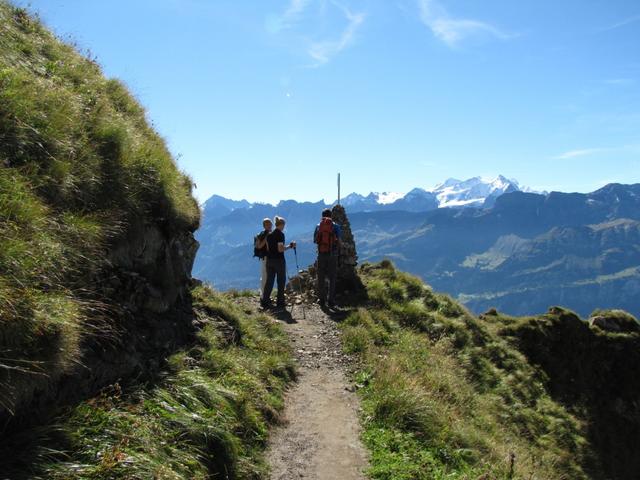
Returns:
<point x="266" y="305"/>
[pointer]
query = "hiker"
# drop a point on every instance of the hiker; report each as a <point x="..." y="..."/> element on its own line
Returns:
<point x="276" y="266"/>
<point x="327" y="237"/>
<point x="260" y="250"/>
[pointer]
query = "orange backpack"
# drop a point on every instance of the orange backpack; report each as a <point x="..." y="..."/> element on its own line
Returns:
<point x="326" y="237"/>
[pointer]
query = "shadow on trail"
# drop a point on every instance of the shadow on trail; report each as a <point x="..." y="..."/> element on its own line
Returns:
<point x="336" y="314"/>
<point x="285" y="315"/>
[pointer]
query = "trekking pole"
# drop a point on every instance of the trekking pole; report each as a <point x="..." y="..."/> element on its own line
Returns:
<point x="295" y="252"/>
<point x="293" y="304"/>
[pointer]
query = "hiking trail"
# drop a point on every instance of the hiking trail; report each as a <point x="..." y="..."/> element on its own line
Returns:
<point x="320" y="434"/>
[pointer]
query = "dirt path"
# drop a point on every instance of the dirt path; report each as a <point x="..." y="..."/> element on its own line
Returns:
<point x="320" y="435"/>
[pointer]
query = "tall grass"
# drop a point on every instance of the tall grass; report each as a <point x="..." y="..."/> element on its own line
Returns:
<point x="445" y="397"/>
<point x="207" y="418"/>
<point x="78" y="164"/>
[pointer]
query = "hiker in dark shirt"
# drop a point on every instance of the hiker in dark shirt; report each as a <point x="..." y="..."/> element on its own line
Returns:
<point x="260" y="251"/>
<point x="276" y="266"/>
<point x="327" y="237"/>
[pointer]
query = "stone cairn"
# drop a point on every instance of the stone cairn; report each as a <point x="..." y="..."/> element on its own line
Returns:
<point x="348" y="283"/>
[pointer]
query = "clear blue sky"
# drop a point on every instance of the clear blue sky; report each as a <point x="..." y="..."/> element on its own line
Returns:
<point x="267" y="100"/>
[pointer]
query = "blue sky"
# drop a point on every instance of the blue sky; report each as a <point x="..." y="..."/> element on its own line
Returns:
<point x="268" y="100"/>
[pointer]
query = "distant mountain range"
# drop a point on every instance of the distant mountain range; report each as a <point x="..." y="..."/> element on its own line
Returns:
<point x="524" y="254"/>
<point x="474" y="192"/>
<point x="229" y="224"/>
<point x="489" y="244"/>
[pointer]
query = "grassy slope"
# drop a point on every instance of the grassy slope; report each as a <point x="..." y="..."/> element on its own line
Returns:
<point x="444" y="396"/>
<point x="593" y="371"/>
<point x="206" y="418"/>
<point x="78" y="161"/>
<point x="78" y="164"/>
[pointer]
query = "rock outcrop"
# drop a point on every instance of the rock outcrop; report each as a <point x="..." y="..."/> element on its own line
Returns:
<point x="349" y="287"/>
<point x="144" y="314"/>
<point x="594" y="372"/>
<point x="615" y="321"/>
<point x="348" y="280"/>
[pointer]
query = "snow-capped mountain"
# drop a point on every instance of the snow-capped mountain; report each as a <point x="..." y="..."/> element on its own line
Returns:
<point x="453" y="193"/>
<point x="474" y="192"/>
<point x="374" y="198"/>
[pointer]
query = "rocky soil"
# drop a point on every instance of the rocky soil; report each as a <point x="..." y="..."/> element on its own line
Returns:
<point x="320" y="435"/>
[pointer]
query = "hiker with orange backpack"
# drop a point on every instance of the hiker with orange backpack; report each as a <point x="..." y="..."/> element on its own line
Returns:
<point x="327" y="237"/>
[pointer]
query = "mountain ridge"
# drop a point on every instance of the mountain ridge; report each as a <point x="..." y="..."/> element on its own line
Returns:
<point x="486" y="257"/>
<point x="475" y="191"/>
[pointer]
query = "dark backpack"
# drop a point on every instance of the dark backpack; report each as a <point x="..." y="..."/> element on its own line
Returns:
<point x="326" y="236"/>
<point x="260" y="252"/>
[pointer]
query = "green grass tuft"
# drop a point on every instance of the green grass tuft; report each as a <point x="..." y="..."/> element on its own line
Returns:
<point x="207" y="418"/>
<point x="445" y="396"/>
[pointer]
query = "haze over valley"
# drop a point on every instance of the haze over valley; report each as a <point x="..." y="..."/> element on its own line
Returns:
<point x="487" y="243"/>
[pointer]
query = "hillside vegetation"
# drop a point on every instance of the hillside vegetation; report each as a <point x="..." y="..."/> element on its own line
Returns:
<point x="79" y="165"/>
<point x="112" y="365"/>
<point x="205" y="417"/>
<point x="450" y="395"/>
<point x="115" y="363"/>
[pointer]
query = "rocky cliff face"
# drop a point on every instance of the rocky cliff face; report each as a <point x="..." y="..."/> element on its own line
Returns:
<point x="141" y="313"/>
<point x="162" y="263"/>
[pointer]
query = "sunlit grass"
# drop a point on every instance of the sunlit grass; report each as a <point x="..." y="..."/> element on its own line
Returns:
<point x="78" y="164"/>
<point x="445" y="397"/>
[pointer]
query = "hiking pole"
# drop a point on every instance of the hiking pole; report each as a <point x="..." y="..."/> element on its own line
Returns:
<point x="293" y="303"/>
<point x="295" y="253"/>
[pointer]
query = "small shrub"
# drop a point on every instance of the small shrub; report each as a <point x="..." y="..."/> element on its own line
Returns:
<point x="355" y="339"/>
<point x="234" y="293"/>
<point x="383" y="319"/>
<point x="413" y="285"/>
<point x="399" y="403"/>
<point x="387" y="264"/>
<point x="376" y="329"/>
<point x="377" y="292"/>
<point x="413" y="315"/>
<point x="430" y="300"/>
<point x="448" y="307"/>
<point x="395" y="291"/>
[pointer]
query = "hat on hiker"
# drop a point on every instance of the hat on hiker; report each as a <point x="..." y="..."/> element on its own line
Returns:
<point x="266" y="221"/>
<point x="279" y="221"/>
